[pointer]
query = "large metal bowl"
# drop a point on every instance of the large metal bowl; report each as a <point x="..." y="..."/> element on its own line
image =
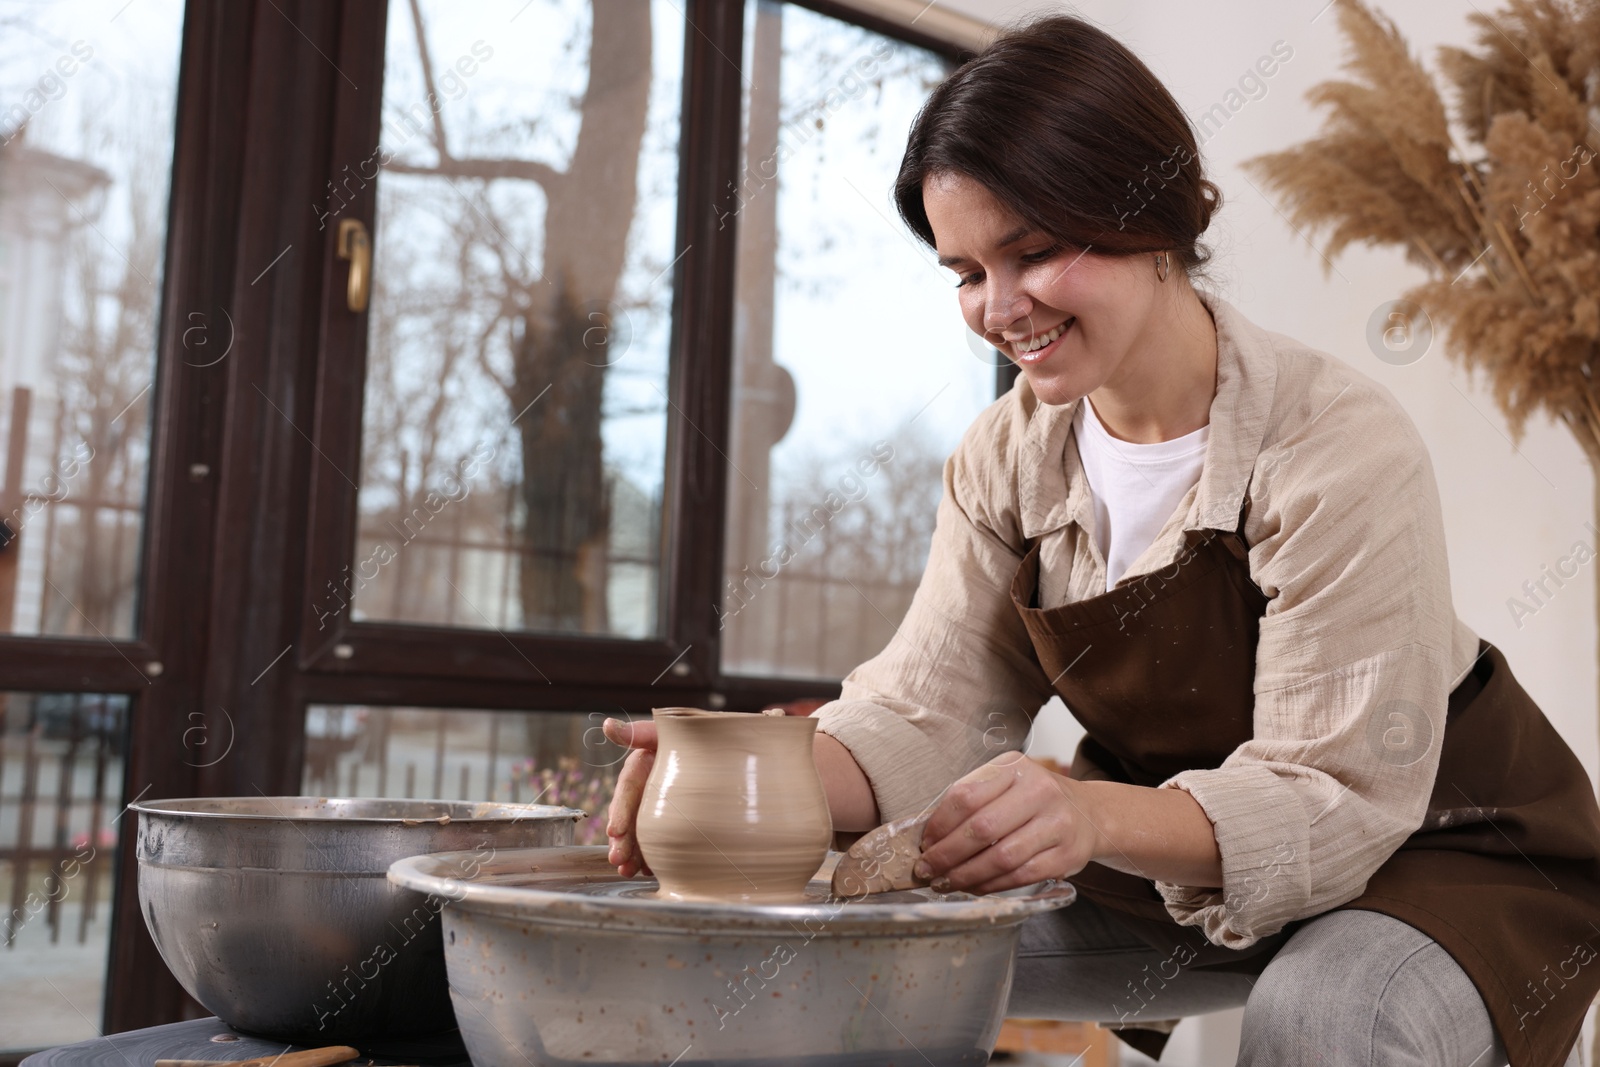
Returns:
<point x="275" y="912"/>
<point x="555" y="961"/>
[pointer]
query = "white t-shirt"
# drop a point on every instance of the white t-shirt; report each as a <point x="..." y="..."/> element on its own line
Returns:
<point x="1135" y="488"/>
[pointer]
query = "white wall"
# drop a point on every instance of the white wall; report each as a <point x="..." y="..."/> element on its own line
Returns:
<point x="1507" y="512"/>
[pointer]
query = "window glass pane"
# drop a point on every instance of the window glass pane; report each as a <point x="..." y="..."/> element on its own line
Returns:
<point x="514" y="430"/>
<point x="60" y="794"/>
<point x="86" y="117"/>
<point x="853" y="380"/>
<point x="522" y="757"/>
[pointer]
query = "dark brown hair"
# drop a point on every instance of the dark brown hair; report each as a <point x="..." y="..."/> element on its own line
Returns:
<point x="1073" y="133"/>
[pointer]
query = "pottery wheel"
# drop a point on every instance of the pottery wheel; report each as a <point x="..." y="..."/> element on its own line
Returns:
<point x="564" y="963"/>
<point x="818" y="893"/>
<point x="576" y="886"/>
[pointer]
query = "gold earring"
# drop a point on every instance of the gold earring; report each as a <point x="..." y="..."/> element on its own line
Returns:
<point x="1161" y="266"/>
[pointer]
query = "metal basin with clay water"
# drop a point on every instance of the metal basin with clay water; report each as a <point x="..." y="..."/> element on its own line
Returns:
<point x="275" y="912"/>
<point x="555" y="960"/>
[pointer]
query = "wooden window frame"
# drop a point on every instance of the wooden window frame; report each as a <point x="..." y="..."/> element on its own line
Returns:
<point x="246" y="515"/>
<point x="539" y="671"/>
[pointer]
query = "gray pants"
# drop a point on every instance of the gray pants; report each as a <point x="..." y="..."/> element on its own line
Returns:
<point x="1346" y="989"/>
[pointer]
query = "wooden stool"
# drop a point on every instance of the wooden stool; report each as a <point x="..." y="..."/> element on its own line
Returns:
<point x="1096" y="1047"/>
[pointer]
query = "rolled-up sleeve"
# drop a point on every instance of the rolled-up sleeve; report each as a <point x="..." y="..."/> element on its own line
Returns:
<point x="1353" y="668"/>
<point x="957" y="684"/>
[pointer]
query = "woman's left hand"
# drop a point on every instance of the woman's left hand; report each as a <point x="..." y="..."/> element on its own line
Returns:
<point x="1009" y="823"/>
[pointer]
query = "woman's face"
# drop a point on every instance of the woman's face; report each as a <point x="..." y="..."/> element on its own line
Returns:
<point x="1067" y="317"/>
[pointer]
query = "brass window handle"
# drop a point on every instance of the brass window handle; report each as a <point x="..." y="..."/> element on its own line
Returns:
<point x="356" y="246"/>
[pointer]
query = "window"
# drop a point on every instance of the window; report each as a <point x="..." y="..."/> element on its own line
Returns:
<point x="851" y="380"/>
<point x="596" y="280"/>
<point x="559" y="758"/>
<point x="87" y="97"/>
<point x="61" y="776"/>
<point x="85" y="141"/>
<point x="414" y="525"/>
<point x="514" y="421"/>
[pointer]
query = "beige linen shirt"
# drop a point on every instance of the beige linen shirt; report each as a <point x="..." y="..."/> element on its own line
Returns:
<point x="1359" y="647"/>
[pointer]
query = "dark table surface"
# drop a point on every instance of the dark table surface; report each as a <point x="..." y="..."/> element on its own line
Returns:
<point x="212" y="1039"/>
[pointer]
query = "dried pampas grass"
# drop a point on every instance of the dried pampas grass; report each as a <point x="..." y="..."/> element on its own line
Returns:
<point x="1507" y="223"/>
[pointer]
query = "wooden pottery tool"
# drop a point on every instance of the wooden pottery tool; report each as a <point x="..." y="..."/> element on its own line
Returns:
<point x="327" y="1056"/>
<point x="882" y="860"/>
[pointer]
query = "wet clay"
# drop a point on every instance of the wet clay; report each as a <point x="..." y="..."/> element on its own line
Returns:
<point x="734" y="810"/>
<point x="881" y="862"/>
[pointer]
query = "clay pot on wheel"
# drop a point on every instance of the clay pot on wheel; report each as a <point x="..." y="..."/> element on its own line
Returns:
<point x="734" y="809"/>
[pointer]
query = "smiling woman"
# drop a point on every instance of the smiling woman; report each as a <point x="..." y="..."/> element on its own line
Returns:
<point x="1073" y="319"/>
<point x="1042" y="192"/>
<point x="1223" y="550"/>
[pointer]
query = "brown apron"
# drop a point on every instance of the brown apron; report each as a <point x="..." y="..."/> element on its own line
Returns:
<point x="1505" y="871"/>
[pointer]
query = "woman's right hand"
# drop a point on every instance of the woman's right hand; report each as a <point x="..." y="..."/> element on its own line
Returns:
<point x="623" y="818"/>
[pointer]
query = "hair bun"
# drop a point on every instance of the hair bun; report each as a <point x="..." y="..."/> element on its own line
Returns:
<point x="1210" y="202"/>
